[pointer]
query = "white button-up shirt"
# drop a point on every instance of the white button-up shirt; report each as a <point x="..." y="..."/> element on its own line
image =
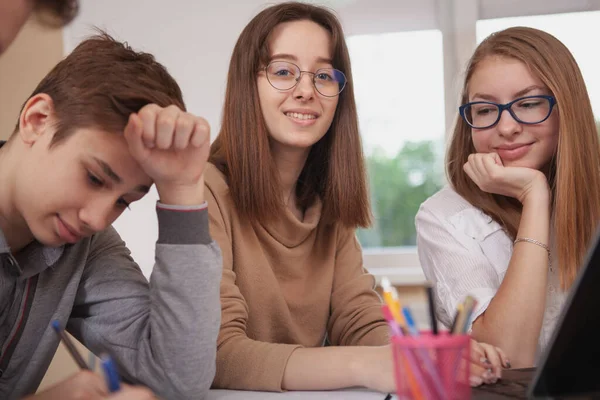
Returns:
<point x="464" y="252"/>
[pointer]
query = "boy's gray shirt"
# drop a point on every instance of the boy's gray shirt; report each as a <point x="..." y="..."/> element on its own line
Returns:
<point x="162" y="334"/>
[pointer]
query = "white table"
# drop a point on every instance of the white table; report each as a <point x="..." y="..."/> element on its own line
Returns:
<point x="348" y="394"/>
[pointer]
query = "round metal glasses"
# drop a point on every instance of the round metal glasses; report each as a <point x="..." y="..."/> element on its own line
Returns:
<point x="284" y="75"/>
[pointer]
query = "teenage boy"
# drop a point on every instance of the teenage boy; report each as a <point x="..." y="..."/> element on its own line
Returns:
<point x="103" y="126"/>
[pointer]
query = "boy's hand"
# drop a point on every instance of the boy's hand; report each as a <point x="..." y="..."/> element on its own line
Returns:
<point x="172" y="147"/>
<point x="87" y="385"/>
<point x="132" y="393"/>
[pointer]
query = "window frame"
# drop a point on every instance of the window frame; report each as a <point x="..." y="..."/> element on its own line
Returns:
<point x="457" y="20"/>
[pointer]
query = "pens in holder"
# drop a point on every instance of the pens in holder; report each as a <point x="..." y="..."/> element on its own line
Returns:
<point x="463" y="316"/>
<point x="424" y="356"/>
<point x="411" y="366"/>
<point x="431" y="303"/>
<point x="462" y="321"/>
<point x="69" y="345"/>
<point x="113" y="381"/>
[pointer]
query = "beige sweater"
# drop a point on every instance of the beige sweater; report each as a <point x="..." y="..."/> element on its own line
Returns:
<point x="285" y="285"/>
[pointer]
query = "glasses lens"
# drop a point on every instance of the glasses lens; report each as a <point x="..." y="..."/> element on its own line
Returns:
<point x="532" y="109"/>
<point x="282" y="75"/>
<point x="329" y="81"/>
<point x="481" y="114"/>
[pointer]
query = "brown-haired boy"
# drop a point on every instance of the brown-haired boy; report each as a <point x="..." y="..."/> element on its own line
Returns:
<point x="103" y="126"/>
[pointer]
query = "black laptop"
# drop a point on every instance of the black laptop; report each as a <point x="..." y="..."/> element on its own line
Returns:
<point x="570" y="366"/>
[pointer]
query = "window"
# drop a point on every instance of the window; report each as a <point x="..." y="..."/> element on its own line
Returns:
<point x="399" y="88"/>
<point x="572" y="29"/>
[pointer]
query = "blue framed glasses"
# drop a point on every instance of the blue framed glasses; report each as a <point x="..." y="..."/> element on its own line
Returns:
<point x="526" y="110"/>
<point x="284" y="75"/>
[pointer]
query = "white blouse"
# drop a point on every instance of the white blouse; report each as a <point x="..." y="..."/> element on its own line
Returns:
<point x="464" y="252"/>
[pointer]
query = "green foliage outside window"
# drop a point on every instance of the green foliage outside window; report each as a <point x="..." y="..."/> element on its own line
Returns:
<point x="398" y="186"/>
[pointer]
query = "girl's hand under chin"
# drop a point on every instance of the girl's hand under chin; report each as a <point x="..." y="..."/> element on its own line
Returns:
<point x="491" y="176"/>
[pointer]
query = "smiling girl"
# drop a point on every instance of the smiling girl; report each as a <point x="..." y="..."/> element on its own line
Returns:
<point x="286" y="191"/>
<point x="524" y="201"/>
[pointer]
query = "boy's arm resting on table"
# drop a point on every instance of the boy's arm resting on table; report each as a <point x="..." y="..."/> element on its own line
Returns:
<point x="356" y="317"/>
<point x="162" y="334"/>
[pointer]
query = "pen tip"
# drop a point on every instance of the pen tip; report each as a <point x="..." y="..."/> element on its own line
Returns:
<point x="56" y="325"/>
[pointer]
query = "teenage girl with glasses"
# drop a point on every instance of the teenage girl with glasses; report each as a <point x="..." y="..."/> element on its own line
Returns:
<point x="524" y="197"/>
<point x="286" y="191"/>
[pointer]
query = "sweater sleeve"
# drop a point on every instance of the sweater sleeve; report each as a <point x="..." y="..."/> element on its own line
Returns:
<point x="356" y="317"/>
<point x="161" y="333"/>
<point x="242" y="363"/>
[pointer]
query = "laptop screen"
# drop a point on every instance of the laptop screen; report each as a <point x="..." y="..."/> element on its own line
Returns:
<point x="571" y="362"/>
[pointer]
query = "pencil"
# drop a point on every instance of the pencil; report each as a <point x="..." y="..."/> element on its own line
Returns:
<point x="455" y="320"/>
<point x="69" y="345"/>
<point x="470" y="304"/>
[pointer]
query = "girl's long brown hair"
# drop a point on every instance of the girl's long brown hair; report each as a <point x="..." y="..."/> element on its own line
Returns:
<point x="574" y="174"/>
<point x="334" y="170"/>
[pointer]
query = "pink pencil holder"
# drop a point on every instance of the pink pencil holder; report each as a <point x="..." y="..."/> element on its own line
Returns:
<point x="432" y="367"/>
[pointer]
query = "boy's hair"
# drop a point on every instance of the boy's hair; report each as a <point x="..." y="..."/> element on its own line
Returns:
<point x="101" y="83"/>
<point x="61" y="12"/>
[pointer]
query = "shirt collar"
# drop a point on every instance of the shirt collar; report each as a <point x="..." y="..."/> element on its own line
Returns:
<point x="33" y="259"/>
<point x="49" y="255"/>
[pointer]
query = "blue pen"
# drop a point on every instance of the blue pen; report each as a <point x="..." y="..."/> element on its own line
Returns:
<point x="410" y="322"/>
<point x="412" y="329"/>
<point x="113" y="381"/>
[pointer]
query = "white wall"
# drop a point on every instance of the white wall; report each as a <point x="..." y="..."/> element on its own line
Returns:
<point x="194" y="40"/>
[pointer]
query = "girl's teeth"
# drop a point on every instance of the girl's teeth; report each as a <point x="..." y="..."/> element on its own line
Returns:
<point x="300" y="116"/>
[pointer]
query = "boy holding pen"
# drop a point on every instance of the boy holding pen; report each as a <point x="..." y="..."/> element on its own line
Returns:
<point x="103" y="126"/>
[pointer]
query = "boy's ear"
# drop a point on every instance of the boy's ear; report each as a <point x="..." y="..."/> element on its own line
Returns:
<point x="37" y="118"/>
